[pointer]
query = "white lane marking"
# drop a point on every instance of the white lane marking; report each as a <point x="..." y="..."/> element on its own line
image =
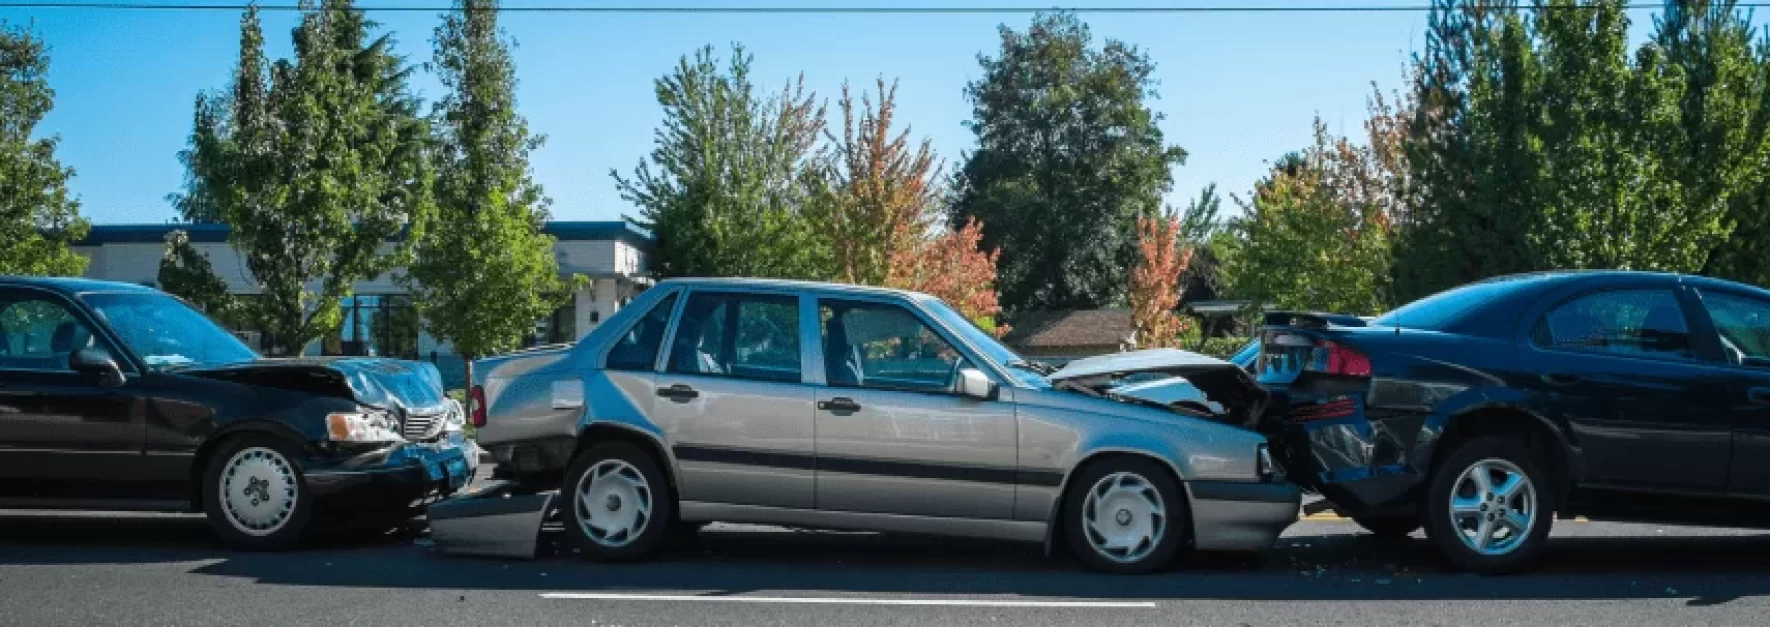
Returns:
<point x="611" y="596"/>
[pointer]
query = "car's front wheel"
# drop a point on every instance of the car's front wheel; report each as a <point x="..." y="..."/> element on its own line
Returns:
<point x="1490" y="506"/>
<point x="254" y="494"/>
<point x="619" y="505"/>
<point x="1124" y="515"/>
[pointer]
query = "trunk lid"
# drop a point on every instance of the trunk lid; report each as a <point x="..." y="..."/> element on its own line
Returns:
<point x="1241" y="397"/>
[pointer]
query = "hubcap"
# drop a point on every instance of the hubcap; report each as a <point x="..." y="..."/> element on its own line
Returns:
<point x="258" y="491"/>
<point x="1124" y="517"/>
<point x="626" y="503"/>
<point x="1493" y="507"/>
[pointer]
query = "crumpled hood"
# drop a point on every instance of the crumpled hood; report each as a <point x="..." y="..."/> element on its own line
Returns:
<point x="1240" y="395"/>
<point x="412" y="386"/>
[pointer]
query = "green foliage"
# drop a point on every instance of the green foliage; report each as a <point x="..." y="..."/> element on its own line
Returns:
<point x="485" y="272"/>
<point x="186" y="271"/>
<point x="1069" y="157"/>
<point x="728" y="187"/>
<point x="318" y="166"/>
<point x="38" y="220"/>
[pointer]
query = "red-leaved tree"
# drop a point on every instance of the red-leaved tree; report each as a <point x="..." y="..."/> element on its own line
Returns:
<point x="1154" y="290"/>
<point x="952" y="267"/>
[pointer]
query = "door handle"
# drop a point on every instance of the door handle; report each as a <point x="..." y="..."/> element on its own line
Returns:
<point x="839" y="404"/>
<point x="680" y="393"/>
<point x="1560" y="379"/>
<point x="1758" y="395"/>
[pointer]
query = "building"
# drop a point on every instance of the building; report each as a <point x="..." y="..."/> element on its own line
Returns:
<point x="379" y="318"/>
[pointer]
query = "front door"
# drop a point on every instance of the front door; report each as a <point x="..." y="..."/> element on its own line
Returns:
<point x="893" y="436"/>
<point x="61" y="434"/>
<point x="732" y="399"/>
<point x="1620" y="368"/>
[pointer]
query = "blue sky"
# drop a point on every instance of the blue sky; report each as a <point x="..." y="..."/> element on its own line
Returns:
<point x="1237" y="89"/>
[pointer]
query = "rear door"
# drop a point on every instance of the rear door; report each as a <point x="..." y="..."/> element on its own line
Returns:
<point x="62" y="435"/>
<point x="893" y="435"/>
<point x="732" y="398"/>
<point x="1742" y="325"/>
<point x="1619" y="366"/>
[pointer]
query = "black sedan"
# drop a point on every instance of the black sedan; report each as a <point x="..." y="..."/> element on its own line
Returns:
<point x="119" y="397"/>
<point x="1482" y="412"/>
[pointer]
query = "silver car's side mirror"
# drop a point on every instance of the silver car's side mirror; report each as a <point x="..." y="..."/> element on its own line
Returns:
<point x="975" y="384"/>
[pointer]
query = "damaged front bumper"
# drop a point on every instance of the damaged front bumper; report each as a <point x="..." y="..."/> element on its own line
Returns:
<point x="397" y="476"/>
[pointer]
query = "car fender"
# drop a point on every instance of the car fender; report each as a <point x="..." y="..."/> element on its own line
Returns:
<point x="618" y="401"/>
<point x="1464" y="406"/>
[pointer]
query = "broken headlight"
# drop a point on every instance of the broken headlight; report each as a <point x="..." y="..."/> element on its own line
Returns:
<point x="363" y="427"/>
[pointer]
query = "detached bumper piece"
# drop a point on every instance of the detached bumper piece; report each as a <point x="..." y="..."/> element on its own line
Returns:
<point x="490" y="522"/>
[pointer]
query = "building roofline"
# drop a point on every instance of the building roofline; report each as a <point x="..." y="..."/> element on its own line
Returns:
<point x="563" y="230"/>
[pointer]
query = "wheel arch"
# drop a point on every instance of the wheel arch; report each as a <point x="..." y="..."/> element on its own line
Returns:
<point x="1054" y="519"/>
<point x="598" y="432"/>
<point x="1507" y="420"/>
<point x="206" y="451"/>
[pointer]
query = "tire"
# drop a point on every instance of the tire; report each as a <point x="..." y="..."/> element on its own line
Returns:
<point x="1133" y="492"/>
<point x="637" y="497"/>
<point x="255" y="495"/>
<point x="1500" y="459"/>
<point x="1389" y="527"/>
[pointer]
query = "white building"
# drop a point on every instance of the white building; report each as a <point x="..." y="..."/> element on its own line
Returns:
<point x="378" y="318"/>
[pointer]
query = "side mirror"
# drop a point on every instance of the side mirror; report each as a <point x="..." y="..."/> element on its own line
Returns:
<point x="975" y="384"/>
<point x="99" y="363"/>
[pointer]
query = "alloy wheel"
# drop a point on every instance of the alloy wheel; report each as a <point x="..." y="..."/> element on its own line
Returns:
<point x="1493" y="507"/>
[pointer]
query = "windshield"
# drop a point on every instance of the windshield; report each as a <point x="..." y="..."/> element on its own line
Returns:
<point x="986" y="343"/>
<point x="167" y="333"/>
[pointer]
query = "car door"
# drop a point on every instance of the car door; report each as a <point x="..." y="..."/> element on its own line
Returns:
<point x="893" y="436"/>
<point x="1741" y="322"/>
<point x="62" y="435"/>
<point x="733" y="399"/>
<point x="1620" y="368"/>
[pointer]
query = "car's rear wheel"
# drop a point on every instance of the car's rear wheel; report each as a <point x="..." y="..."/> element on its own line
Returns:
<point x="1490" y="506"/>
<point x="1124" y="515"/>
<point x="1392" y="527"/>
<point x="255" y="495"/>
<point x="619" y="505"/>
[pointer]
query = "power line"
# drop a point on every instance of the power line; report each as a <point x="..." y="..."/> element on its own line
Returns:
<point x="142" y="6"/>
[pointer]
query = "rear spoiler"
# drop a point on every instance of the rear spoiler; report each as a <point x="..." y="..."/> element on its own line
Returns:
<point x="1310" y="320"/>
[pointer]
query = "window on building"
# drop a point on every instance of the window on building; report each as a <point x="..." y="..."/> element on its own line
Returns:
<point x="381" y="325"/>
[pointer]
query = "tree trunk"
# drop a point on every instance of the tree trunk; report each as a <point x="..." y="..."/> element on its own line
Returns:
<point x="467" y="376"/>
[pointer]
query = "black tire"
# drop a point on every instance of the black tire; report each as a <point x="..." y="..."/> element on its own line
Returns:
<point x="1174" y="526"/>
<point x="653" y="527"/>
<point x="276" y="455"/>
<point x="1444" y="483"/>
<point x="1393" y="527"/>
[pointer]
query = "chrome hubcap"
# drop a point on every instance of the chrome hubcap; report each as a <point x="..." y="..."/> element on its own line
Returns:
<point x="258" y="491"/>
<point x="1124" y="517"/>
<point x="1493" y="507"/>
<point x="614" y="503"/>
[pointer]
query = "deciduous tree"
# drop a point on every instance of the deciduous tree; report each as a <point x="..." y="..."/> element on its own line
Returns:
<point x="1155" y="288"/>
<point x="885" y="197"/>
<point x="953" y="266"/>
<point x="38" y="219"/>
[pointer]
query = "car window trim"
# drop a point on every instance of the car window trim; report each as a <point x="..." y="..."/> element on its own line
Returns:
<point x="101" y="331"/>
<point x="1542" y="317"/>
<point x="669" y="324"/>
<point x="663" y="365"/>
<point x="964" y="349"/>
<point x="1714" y="332"/>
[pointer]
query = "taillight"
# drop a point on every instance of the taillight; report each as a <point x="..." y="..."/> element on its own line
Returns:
<point x="476" y="406"/>
<point x="1326" y="410"/>
<point x="1332" y="358"/>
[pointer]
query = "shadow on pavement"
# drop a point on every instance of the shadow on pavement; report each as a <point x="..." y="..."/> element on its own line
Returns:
<point x="1708" y="569"/>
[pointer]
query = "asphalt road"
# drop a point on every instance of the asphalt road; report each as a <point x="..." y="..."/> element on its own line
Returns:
<point x="95" y="569"/>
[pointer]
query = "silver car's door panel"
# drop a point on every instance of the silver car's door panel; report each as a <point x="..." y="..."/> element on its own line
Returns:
<point x="915" y="453"/>
<point x="738" y="440"/>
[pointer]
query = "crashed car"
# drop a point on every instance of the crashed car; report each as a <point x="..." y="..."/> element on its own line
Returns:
<point x="120" y="397"/>
<point x="1482" y="412"/>
<point x="838" y="406"/>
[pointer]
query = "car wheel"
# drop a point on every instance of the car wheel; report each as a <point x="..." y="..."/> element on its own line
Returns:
<point x="1124" y="516"/>
<point x="1389" y="527"/>
<point x="618" y="503"/>
<point x="1490" y="506"/>
<point x="254" y="494"/>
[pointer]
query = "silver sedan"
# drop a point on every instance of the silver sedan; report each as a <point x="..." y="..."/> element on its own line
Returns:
<point x="837" y="406"/>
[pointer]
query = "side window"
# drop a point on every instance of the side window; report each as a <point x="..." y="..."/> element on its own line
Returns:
<point x="37" y="333"/>
<point x="1744" y="326"/>
<point x="638" y="349"/>
<point x="875" y="345"/>
<point x="747" y="336"/>
<point x="1624" y="322"/>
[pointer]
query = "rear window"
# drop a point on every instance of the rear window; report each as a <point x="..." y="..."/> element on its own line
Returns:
<point x="1445" y="309"/>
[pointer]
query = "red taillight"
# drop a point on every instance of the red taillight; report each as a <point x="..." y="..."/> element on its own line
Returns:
<point x="1332" y="358"/>
<point x="476" y="406"/>
<point x="1325" y="410"/>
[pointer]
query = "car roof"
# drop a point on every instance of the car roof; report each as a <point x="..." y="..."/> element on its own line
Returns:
<point x="71" y="286"/>
<point x="791" y="285"/>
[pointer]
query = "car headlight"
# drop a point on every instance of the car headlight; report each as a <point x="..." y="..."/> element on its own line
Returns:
<point x="454" y="418"/>
<point x="362" y="427"/>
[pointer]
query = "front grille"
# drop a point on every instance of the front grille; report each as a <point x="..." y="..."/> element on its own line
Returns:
<point x="421" y="427"/>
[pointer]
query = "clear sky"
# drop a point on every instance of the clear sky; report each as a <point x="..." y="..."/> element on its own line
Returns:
<point x="1237" y="89"/>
